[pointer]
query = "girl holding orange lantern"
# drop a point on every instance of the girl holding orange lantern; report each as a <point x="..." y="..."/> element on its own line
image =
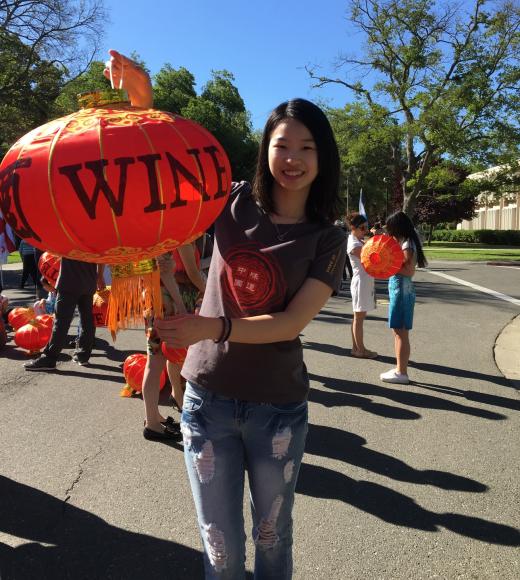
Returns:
<point x="362" y="286"/>
<point x="277" y="259"/>
<point x="401" y="293"/>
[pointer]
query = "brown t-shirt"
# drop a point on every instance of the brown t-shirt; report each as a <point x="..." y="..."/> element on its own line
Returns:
<point x="252" y="272"/>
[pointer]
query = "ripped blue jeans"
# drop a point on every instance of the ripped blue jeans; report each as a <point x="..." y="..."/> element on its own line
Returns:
<point x="223" y="438"/>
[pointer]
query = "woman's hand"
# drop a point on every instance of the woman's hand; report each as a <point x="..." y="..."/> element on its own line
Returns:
<point x="135" y="80"/>
<point x="186" y="329"/>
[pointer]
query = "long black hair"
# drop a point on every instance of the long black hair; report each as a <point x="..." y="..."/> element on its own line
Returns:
<point x="399" y="225"/>
<point x="323" y="203"/>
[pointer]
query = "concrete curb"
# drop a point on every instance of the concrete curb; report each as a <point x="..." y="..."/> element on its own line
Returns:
<point x="507" y="351"/>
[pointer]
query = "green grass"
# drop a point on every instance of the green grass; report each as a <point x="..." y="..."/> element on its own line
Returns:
<point x="471" y="252"/>
<point x="13" y="258"/>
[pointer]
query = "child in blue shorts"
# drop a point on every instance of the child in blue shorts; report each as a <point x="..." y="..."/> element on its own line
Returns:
<point x="401" y="292"/>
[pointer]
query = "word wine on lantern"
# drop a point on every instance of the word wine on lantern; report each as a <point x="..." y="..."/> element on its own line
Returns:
<point x="10" y="179"/>
<point x="114" y="184"/>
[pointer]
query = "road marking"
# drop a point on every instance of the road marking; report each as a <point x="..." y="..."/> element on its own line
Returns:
<point x="512" y="267"/>
<point x="493" y="293"/>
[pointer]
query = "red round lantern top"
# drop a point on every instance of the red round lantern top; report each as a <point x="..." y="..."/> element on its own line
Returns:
<point x="382" y="256"/>
<point x="114" y="184"/>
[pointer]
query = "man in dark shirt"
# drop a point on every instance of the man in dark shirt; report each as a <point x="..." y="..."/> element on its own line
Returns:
<point x="76" y="285"/>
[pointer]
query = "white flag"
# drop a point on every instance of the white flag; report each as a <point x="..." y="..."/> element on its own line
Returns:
<point x="361" y="204"/>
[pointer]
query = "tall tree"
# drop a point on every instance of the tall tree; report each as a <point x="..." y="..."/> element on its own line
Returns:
<point x="64" y="32"/>
<point x="449" y="75"/>
<point x="42" y="45"/>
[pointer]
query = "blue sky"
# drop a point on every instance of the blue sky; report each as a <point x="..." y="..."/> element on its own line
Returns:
<point x="265" y="44"/>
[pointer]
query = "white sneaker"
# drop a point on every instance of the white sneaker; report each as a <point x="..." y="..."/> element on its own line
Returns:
<point x="394" y="377"/>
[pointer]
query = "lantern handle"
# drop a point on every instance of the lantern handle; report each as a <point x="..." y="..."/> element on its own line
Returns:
<point x="109" y="66"/>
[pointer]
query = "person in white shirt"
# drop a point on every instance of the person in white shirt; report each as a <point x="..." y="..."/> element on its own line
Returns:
<point x="362" y="287"/>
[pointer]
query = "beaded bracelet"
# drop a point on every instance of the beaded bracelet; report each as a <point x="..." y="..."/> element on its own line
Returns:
<point x="224" y="329"/>
<point x="229" y="328"/>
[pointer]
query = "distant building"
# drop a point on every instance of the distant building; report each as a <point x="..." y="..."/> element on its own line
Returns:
<point x="494" y="213"/>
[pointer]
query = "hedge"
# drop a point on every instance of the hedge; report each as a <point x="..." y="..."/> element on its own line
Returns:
<point x="492" y="237"/>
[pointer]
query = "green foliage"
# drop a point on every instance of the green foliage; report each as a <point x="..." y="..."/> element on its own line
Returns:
<point x="26" y="97"/>
<point x="367" y="140"/>
<point x="221" y="110"/>
<point x="492" y="237"/>
<point x="173" y="89"/>
<point x="90" y="81"/>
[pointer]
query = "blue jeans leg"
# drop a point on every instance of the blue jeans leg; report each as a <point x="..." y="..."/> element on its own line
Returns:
<point x="274" y="438"/>
<point x="214" y="458"/>
<point x="223" y="437"/>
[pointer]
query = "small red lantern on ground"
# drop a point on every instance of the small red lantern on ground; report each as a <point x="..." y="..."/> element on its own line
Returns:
<point x="32" y="336"/>
<point x="46" y="319"/>
<point x="174" y="355"/>
<point x="133" y="371"/>
<point x="49" y="266"/>
<point x="113" y="183"/>
<point x="382" y="256"/>
<point x="100" y="307"/>
<point x="20" y="316"/>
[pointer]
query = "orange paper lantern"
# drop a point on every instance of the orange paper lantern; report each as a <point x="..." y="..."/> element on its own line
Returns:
<point x="20" y="316"/>
<point x="174" y="355"/>
<point x="32" y="336"/>
<point x="100" y="307"/>
<point x="133" y="371"/>
<point x="114" y="184"/>
<point x="46" y="319"/>
<point x="382" y="256"/>
<point x="49" y="266"/>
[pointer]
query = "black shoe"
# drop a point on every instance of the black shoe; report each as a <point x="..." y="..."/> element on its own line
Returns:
<point x="171" y="424"/>
<point x="44" y="363"/>
<point x="82" y="361"/>
<point x="165" y="435"/>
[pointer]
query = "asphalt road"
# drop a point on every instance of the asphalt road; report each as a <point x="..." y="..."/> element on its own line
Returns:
<point x="416" y="481"/>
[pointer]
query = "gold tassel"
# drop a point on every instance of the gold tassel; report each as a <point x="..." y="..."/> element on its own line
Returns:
<point x="135" y="292"/>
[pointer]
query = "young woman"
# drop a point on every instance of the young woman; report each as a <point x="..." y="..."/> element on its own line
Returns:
<point x="277" y="259"/>
<point x="401" y="292"/>
<point x="362" y="286"/>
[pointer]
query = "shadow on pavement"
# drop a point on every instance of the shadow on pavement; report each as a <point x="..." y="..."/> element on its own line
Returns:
<point x="397" y="508"/>
<point x="350" y="448"/>
<point x="404" y="397"/>
<point x="476" y="396"/>
<point x="83" y="546"/>
<point x="423" y="366"/>
<point x="328" y="399"/>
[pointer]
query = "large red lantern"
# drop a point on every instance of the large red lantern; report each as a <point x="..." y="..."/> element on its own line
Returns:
<point x="20" y="316"/>
<point x="32" y="336"/>
<point x="114" y="184"/>
<point x="382" y="256"/>
<point x="133" y="371"/>
<point x="49" y="266"/>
